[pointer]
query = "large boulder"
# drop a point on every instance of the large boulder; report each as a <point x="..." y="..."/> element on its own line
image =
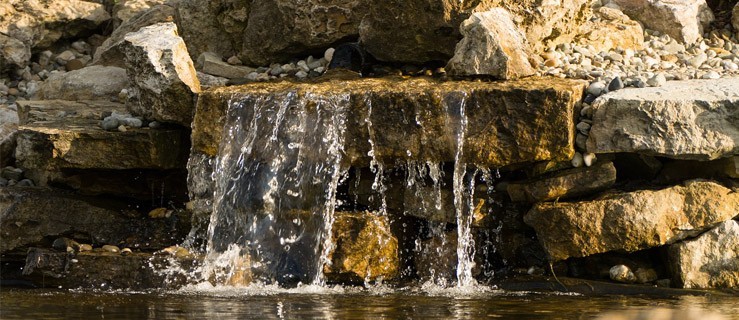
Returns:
<point x="162" y="75"/>
<point x="694" y="119"/>
<point x="127" y="9"/>
<point x="109" y="53"/>
<point x="297" y="27"/>
<point x="364" y="248"/>
<point x="418" y="31"/>
<point x="502" y="127"/>
<point x="611" y="29"/>
<point x="13" y="53"/>
<point x="492" y="45"/>
<point x="39" y="24"/>
<point x="631" y="221"/>
<point x="708" y="261"/>
<point x="683" y="20"/>
<point x="91" y="83"/>
<point x="216" y="26"/>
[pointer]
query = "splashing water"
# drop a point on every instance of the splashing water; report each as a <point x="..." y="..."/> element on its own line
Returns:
<point x="276" y="178"/>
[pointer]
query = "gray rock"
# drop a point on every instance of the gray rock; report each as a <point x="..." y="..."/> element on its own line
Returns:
<point x="211" y="63"/>
<point x="109" y="53"/>
<point x="109" y="124"/>
<point x="596" y="88"/>
<point x="709" y="261"/>
<point x="682" y="120"/>
<point x="11" y="173"/>
<point x="91" y="83"/>
<point x="616" y="84"/>
<point x="26" y="183"/>
<point x="631" y="221"/>
<point x="492" y="45"/>
<point x="163" y="79"/>
<point x="132" y="122"/>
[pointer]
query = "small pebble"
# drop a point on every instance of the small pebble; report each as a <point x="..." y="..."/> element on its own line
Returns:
<point x="589" y="159"/>
<point x="657" y="80"/>
<point x="26" y="183"/>
<point x="711" y="75"/>
<point x="301" y="74"/>
<point x="616" y="84"/>
<point x="622" y="273"/>
<point x="85" y="247"/>
<point x="110" y="124"/>
<point x="111" y="248"/>
<point x="122" y="128"/>
<point x="234" y="60"/>
<point x="596" y="88"/>
<point x="154" y="124"/>
<point x="126" y="251"/>
<point x="328" y="54"/>
<point x="577" y="160"/>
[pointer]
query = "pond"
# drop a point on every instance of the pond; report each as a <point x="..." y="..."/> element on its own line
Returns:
<point x="309" y="302"/>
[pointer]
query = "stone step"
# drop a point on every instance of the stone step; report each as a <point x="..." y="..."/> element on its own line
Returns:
<point x="409" y="119"/>
<point x="631" y="221"/>
<point x="80" y="143"/>
<point x="691" y="120"/>
<point x="30" y="111"/>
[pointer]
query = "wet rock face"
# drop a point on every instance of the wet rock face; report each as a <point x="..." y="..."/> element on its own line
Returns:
<point x="365" y="249"/>
<point x="162" y="74"/>
<point x="631" y="221"/>
<point x="694" y="120"/>
<point x="25" y="221"/>
<point x="683" y="20"/>
<point x="507" y="123"/>
<point x="297" y="27"/>
<point x="106" y="271"/>
<point x="709" y="261"/>
<point x="491" y="46"/>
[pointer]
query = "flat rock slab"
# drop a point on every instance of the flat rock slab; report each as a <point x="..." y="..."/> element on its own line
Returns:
<point x="30" y="111"/>
<point x="631" y="221"/>
<point x="693" y="120"/>
<point x="107" y="271"/>
<point x="709" y="261"/>
<point x="34" y="216"/>
<point x="505" y="122"/>
<point x="565" y="184"/>
<point x="82" y="144"/>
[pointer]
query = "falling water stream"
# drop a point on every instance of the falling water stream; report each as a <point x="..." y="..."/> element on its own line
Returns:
<point x="276" y="176"/>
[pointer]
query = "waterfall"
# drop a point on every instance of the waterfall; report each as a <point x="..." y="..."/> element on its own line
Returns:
<point x="284" y="154"/>
<point x="276" y="176"/>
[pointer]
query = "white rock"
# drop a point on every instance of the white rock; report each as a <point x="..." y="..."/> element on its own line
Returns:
<point x="597" y="88"/>
<point x="709" y="261"/>
<point x="589" y="159"/>
<point x="711" y="75"/>
<point x="301" y="74"/>
<point x="692" y="120"/>
<point x="577" y="160"/>
<point x="657" y="80"/>
<point x="329" y="54"/>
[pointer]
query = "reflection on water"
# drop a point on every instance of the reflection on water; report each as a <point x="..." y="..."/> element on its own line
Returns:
<point x="351" y="303"/>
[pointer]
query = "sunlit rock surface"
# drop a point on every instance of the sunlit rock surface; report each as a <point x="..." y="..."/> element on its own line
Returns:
<point x="694" y="119"/>
<point x="508" y="122"/>
<point x="364" y="248"/>
<point x="161" y="73"/>
<point x="711" y="260"/>
<point x="631" y="221"/>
